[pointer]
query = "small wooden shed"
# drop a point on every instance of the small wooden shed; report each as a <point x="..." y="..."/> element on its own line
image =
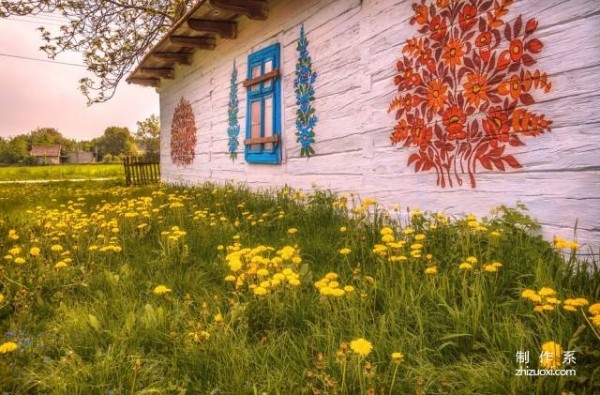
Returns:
<point x="46" y="155"/>
<point x="455" y="106"/>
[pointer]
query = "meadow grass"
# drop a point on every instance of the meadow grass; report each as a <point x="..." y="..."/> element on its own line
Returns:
<point x="61" y="172"/>
<point x="220" y="290"/>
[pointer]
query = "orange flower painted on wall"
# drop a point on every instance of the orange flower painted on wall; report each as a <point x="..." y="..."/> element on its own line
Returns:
<point x="183" y="134"/>
<point x="464" y="85"/>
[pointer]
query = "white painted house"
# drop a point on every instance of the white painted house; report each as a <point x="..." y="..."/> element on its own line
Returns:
<point x="454" y="105"/>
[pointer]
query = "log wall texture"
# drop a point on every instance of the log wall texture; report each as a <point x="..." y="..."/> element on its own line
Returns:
<point x="354" y="47"/>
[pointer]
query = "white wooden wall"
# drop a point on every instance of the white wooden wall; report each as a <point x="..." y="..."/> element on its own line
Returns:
<point x="354" y="45"/>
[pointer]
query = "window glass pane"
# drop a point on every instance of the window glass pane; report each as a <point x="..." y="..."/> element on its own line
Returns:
<point x="255" y="122"/>
<point x="268" y="69"/>
<point x="255" y="73"/>
<point x="268" y="120"/>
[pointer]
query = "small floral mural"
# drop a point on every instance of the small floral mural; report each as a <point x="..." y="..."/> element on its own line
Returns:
<point x="464" y="85"/>
<point x="233" y="130"/>
<point x="305" y="95"/>
<point x="183" y="134"/>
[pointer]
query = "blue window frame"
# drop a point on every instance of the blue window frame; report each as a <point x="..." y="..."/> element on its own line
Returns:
<point x="263" y="111"/>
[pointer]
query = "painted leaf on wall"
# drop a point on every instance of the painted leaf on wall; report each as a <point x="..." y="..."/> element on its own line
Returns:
<point x="464" y="84"/>
<point x="233" y="130"/>
<point x="183" y="134"/>
<point x="305" y="95"/>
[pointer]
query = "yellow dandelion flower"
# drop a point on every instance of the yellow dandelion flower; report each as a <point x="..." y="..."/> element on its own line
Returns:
<point x="465" y="266"/>
<point x="573" y="245"/>
<point x="338" y="292"/>
<point x="552" y="300"/>
<point x="568" y="307"/>
<point x="34" y="251"/>
<point x="432" y="271"/>
<point x="472" y="260"/>
<point x="345" y="251"/>
<point x="235" y="265"/>
<point x="538" y="309"/>
<point x="331" y="276"/>
<point x="349" y="288"/>
<point x="296" y="260"/>
<point x="594" y="309"/>
<point x="547" y="291"/>
<point x="260" y="291"/>
<point x="386" y="231"/>
<point x="7" y="347"/>
<point x="596" y="320"/>
<point x="60" y="265"/>
<point x="551" y="356"/>
<point x="528" y="293"/>
<point x="262" y="272"/>
<point x="294" y="282"/>
<point x="420" y="237"/>
<point x="19" y="260"/>
<point x="56" y="248"/>
<point x="292" y="231"/>
<point x="535" y="298"/>
<point x="218" y="318"/>
<point x="580" y="302"/>
<point x="343" y="229"/>
<point x="361" y="346"/>
<point x="490" y="268"/>
<point x="388" y="238"/>
<point x="496" y="264"/>
<point x="397" y="357"/>
<point x="325" y="290"/>
<point x="8" y="257"/>
<point x="161" y="290"/>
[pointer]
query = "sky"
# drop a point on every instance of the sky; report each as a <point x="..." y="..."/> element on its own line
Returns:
<point x="42" y="94"/>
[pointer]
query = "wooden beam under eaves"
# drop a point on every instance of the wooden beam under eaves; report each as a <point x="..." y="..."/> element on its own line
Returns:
<point x="144" y="81"/>
<point x="182" y="58"/>
<point x="159" y="72"/>
<point x="226" y="29"/>
<point x="253" y="9"/>
<point x="194" y="42"/>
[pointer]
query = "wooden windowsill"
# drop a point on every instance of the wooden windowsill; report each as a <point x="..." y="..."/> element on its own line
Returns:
<point x="263" y="140"/>
<point x="261" y="78"/>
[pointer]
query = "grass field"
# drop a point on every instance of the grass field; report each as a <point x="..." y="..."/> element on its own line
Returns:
<point x="218" y="290"/>
<point x="62" y="172"/>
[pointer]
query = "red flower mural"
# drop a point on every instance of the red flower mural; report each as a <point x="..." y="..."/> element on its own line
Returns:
<point x="183" y="134"/>
<point x="463" y="87"/>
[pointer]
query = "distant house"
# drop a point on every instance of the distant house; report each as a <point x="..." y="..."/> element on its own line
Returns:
<point x="81" y="157"/>
<point x="46" y="155"/>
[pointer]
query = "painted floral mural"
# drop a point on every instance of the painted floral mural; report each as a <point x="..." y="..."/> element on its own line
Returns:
<point x="183" y="134"/>
<point x="233" y="130"/>
<point x="464" y="85"/>
<point x="305" y="95"/>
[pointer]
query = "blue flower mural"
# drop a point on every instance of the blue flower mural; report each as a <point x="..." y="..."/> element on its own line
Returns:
<point x="233" y="130"/>
<point x="305" y="95"/>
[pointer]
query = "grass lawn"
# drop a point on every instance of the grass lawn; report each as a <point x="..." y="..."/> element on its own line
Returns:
<point x="219" y="290"/>
<point x="61" y="172"/>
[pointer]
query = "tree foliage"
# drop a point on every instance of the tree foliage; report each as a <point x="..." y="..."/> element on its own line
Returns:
<point x="111" y="35"/>
<point x="50" y="136"/>
<point x="116" y="141"/>
<point x="148" y="134"/>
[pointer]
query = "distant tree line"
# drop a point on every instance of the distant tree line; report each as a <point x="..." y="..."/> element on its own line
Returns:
<point x="114" y="144"/>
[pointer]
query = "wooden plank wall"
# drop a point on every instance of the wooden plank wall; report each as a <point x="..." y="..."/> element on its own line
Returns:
<point x="354" y="46"/>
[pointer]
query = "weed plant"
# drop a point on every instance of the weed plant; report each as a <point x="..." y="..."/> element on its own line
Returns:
<point x="221" y="290"/>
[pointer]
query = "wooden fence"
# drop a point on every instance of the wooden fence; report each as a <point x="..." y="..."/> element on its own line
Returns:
<point x="141" y="171"/>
